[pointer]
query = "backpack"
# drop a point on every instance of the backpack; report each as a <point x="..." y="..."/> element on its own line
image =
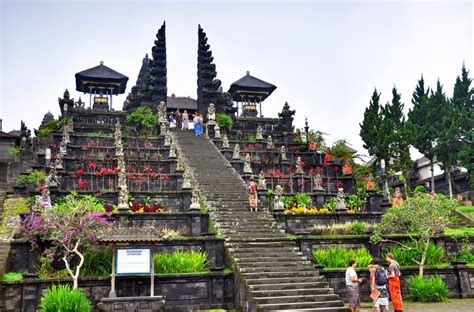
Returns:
<point x="380" y="277"/>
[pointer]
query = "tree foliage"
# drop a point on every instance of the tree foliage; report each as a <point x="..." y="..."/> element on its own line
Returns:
<point x="421" y="217"/>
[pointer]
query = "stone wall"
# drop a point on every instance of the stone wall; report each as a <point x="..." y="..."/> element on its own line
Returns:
<point x="182" y="292"/>
<point x="458" y="278"/>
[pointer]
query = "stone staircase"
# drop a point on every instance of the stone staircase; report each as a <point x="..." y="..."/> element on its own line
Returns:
<point x="271" y="273"/>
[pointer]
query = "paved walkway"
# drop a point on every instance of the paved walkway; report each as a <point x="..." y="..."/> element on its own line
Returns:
<point x="456" y="305"/>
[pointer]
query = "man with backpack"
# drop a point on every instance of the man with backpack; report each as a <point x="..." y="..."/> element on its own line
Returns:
<point x="394" y="283"/>
<point x="378" y="286"/>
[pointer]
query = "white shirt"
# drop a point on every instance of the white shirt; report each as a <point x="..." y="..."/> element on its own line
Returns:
<point x="351" y="273"/>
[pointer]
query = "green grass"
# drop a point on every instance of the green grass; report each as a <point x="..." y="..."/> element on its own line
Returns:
<point x="459" y="231"/>
<point x="63" y="298"/>
<point x="338" y="257"/>
<point x="428" y="289"/>
<point x="407" y="257"/>
<point x="467" y="210"/>
<point x="12" y="277"/>
<point x="180" y="262"/>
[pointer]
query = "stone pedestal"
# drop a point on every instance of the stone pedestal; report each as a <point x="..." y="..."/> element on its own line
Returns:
<point x="218" y="143"/>
<point x="318" y="198"/>
<point x="136" y="304"/>
<point x="374" y="202"/>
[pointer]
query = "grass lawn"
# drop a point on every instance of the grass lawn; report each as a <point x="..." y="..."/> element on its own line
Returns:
<point x="467" y="210"/>
<point x="460" y="231"/>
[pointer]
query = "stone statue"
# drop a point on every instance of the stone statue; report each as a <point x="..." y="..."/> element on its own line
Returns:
<point x="278" y="199"/>
<point x="195" y="201"/>
<point x="317" y="182"/>
<point x="247" y="164"/>
<point x="186" y="180"/>
<point x="172" y="153"/>
<point x="236" y="155"/>
<point x="283" y="153"/>
<point x="211" y="114"/>
<point x="162" y="112"/>
<point x="225" y="141"/>
<point x="259" y="134"/>
<point x="52" y="178"/>
<point x="262" y="183"/>
<point x="163" y="127"/>
<point x="167" y="139"/>
<point x="62" y="148"/>
<point x="45" y="199"/>
<point x="299" y="168"/>
<point x="122" y="177"/>
<point x="123" y="191"/>
<point x="180" y="165"/>
<point x="217" y="132"/>
<point x="58" y="162"/>
<point x="269" y="142"/>
<point x="340" y="201"/>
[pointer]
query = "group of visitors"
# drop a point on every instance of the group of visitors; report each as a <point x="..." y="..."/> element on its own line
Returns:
<point x="180" y="120"/>
<point x="384" y="284"/>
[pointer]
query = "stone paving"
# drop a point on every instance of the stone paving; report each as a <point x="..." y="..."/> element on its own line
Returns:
<point x="457" y="305"/>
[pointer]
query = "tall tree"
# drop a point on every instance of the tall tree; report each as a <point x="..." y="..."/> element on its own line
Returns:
<point x="463" y="102"/>
<point x="370" y="127"/>
<point x="447" y="133"/>
<point x="422" y="124"/>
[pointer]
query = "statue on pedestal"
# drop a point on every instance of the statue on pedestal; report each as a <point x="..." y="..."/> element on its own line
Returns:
<point x="45" y="199"/>
<point x="167" y="139"/>
<point x="180" y="165"/>
<point x="217" y="132"/>
<point x="278" y="199"/>
<point x="52" y="178"/>
<point x="317" y="182"/>
<point x="259" y="134"/>
<point x="236" y="155"/>
<point x="186" y="180"/>
<point x="172" y="150"/>
<point x="195" y="201"/>
<point x="247" y="164"/>
<point x="283" y="153"/>
<point x="269" y="142"/>
<point x="211" y="114"/>
<point x="58" y="161"/>
<point x="262" y="183"/>
<point x="340" y="201"/>
<point x="163" y="127"/>
<point x="299" y="168"/>
<point x="225" y="141"/>
<point x="162" y="112"/>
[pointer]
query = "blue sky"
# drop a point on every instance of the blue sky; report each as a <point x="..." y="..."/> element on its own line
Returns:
<point x="324" y="57"/>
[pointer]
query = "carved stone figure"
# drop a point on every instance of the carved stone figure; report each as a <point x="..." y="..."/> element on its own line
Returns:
<point x="122" y="177"/>
<point x="262" y="183"/>
<point x="317" y="182"/>
<point x="172" y="151"/>
<point x="247" y="164"/>
<point x="278" y="199"/>
<point x="340" y="201"/>
<point x="163" y="127"/>
<point x="195" y="202"/>
<point x="259" y="134"/>
<point x="269" y="142"/>
<point x="45" y="199"/>
<point x="167" y="139"/>
<point x="52" y="178"/>
<point x="211" y="114"/>
<point x="186" y="180"/>
<point x="58" y="162"/>
<point x="299" y="168"/>
<point x="162" y="112"/>
<point x="63" y="148"/>
<point x="180" y="165"/>
<point x="236" y="155"/>
<point x="225" y="141"/>
<point x="283" y="153"/>
<point x="217" y="132"/>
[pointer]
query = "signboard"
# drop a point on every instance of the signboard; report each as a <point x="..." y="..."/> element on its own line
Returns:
<point x="133" y="261"/>
<point x="98" y="99"/>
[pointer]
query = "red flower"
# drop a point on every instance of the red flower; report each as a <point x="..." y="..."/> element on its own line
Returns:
<point x="318" y="169"/>
<point x="147" y="170"/>
<point x="336" y="168"/>
<point x="362" y="179"/>
<point x="258" y="145"/>
<point x="80" y="171"/>
<point x="251" y="146"/>
<point x="339" y="184"/>
<point x="42" y="186"/>
<point x="83" y="184"/>
<point x="280" y="174"/>
<point x="139" y="175"/>
<point x="73" y="175"/>
<point x="154" y="175"/>
<point x="301" y="183"/>
<point x="165" y="178"/>
<point x="84" y="148"/>
<point x="55" y="146"/>
<point x="271" y="173"/>
<point x="148" y="144"/>
<point x="289" y="168"/>
<point x="311" y="171"/>
<point x="342" y="159"/>
<point x="302" y="164"/>
<point x="130" y="176"/>
<point x="117" y="169"/>
<point x="161" y="169"/>
<point x="312" y="147"/>
<point x="98" y="173"/>
<point x="108" y="207"/>
<point x="92" y="165"/>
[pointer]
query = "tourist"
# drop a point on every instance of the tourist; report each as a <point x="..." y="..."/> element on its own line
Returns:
<point x="427" y="187"/>
<point x="197" y="124"/>
<point x="178" y="119"/>
<point x="352" y="286"/>
<point x="172" y="121"/>
<point x="185" y="119"/>
<point x="378" y="286"/>
<point x="397" y="197"/>
<point x="253" y="196"/>
<point x="394" y="283"/>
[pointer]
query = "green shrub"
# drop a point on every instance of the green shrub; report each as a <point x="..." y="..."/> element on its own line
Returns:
<point x="358" y="228"/>
<point x="35" y="177"/>
<point x="50" y="127"/>
<point x="348" y="228"/>
<point x="180" y="262"/>
<point x="143" y="119"/>
<point x="409" y="257"/>
<point x="97" y="263"/>
<point x="330" y="204"/>
<point x="338" y="257"/>
<point x="14" y="151"/>
<point x="251" y="138"/>
<point x="12" y="277"/>
<point x="303" y="199"/>
<point x="427" y="290"/>
<point x="224" y="121"/>
<point x="62" y="298"/>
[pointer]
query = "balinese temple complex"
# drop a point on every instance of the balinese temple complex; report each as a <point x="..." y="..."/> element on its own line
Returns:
<point x="101" y="82"/>
<point x="249" y="92"/>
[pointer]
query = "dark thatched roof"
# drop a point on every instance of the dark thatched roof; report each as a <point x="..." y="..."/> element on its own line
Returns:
<point x="249" y="84"/>
<point x="101" y="75"/>
<point x="180" y="102"/>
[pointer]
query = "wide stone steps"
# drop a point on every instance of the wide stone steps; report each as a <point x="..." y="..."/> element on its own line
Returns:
<point x="272" y="268"/>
